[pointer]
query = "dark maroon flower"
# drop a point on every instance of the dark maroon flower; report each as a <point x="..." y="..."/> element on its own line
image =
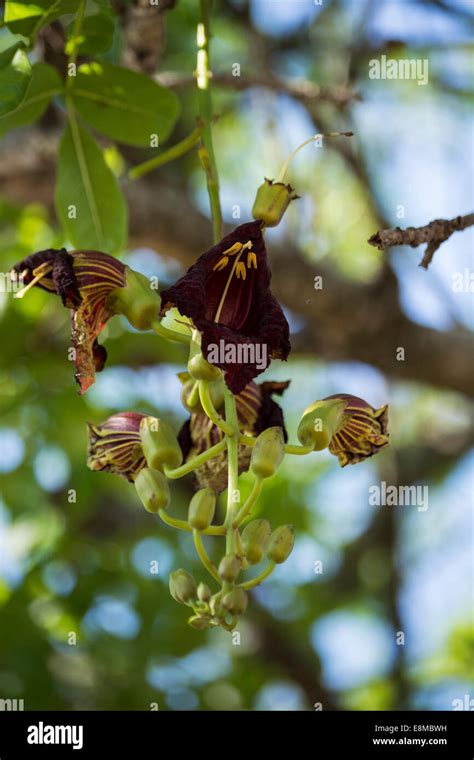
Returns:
<point x="226" y="294"/>
<point x="256" y="412"/>
<point x="95" y="286"/>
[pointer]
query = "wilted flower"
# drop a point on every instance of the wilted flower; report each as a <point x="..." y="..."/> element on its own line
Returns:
<point x="94" y="286"/>
<point x="256" y="411"/>
<point x="350" y="427"/>
<point x="226" y="294"/>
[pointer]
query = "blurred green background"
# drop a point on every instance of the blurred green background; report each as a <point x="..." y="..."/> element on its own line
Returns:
<point x="76" y="547"/>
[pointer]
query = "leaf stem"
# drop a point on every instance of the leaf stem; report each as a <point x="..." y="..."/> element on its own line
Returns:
<point x="176" y="151"/>
<point x="74" y="41"/>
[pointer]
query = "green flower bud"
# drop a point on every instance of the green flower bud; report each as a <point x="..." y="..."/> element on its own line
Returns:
<point x="268" y="452"/>
<point x="281" y="543"/>
<point x="236" y="601"/>
<point x="319" y="423"/>
<point x="229" y="567"/>
<point x="203" y="592"/>
<point x="255" y="537"/>
<point x="136" y="300"/>
<point x="201" y="509"/>
<point x="200" y="369"/>
<point x="350" y="427"/>
<point x="271" y="201"/>
<point x="216" y="391"/>
<point x="153" y="489"/>
<point x="159" y="443"/>
<point x="198" y="622"/>
<point x="183" y="587"/>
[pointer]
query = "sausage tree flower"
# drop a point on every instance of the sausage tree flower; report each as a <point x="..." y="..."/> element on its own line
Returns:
<point x="94" y="286"/>
<point x="226" y="294"/>
<point x="116" y="446"/>
<point x="129" y="441"/>
<point x="347" y="425"/>
<point x="256" y="411"/>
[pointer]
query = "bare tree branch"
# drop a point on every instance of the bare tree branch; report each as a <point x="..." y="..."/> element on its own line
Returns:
<point x="435" y="233"/>
<point x="300" y="89"/>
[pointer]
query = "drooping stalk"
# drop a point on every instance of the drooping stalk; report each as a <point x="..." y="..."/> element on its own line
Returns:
<point x="208" y="406"/>
<point x="210" y="567"/>
<point x="259" y="578"/>
<point x="173" y="522"/>
<point x="206" y="153"/>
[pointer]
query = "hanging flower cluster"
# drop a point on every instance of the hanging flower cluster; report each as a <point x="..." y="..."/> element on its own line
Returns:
<point x="234" y="328"/>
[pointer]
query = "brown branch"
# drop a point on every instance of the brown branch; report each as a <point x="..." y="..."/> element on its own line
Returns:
<point x="435" y="233"/>
<point x="301" y="89"/>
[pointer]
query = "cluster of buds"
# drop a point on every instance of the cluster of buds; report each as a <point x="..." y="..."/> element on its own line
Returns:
<point x="145" y="451"/>
<point x="224" y="607"/>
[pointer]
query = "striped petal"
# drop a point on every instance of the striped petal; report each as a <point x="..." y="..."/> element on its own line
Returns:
<point x="115" y="445"/>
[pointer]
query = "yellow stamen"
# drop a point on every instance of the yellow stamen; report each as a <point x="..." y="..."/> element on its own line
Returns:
<point x="221" y="264"/>
<point x="240" y="270"/>
<point x="223" y="297"/>
<point x="39" y="273"/>
<point x="251" y="260"/>
<point x="236" y="248"/>
<point x="242" y="248"/>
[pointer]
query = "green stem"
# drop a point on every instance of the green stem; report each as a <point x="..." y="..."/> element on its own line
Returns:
<point x="173" y="522"/>
<point x="164" y="332"/>
<point x="245" y="509"/>
<point x="72" y="58"/>
<point x="233" y="469"/>
<point x="210" y="567"/>
<point x="176" y="151"/>
<point x="206" y="152"/>
<point x="179" y="472"/>
<point x="290" y="448"/>
<point x="299" y="450"/>
<point x="255" y="581"/>
<point x="193" y="397"/>
<point x="208" y="406"/>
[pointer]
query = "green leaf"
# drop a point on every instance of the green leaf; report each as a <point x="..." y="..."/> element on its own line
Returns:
<point x="14" y="81"/>
<point x="96" y="36"/>
<point x="7" y="54"/>
<point x="44" y="84"/>
<point x="88" y="191"/>
<point x="26" y="17"/>
<point x="124" y="105"/>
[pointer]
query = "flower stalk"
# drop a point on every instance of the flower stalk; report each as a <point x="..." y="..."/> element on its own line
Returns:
<point x="206" y="152"/>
